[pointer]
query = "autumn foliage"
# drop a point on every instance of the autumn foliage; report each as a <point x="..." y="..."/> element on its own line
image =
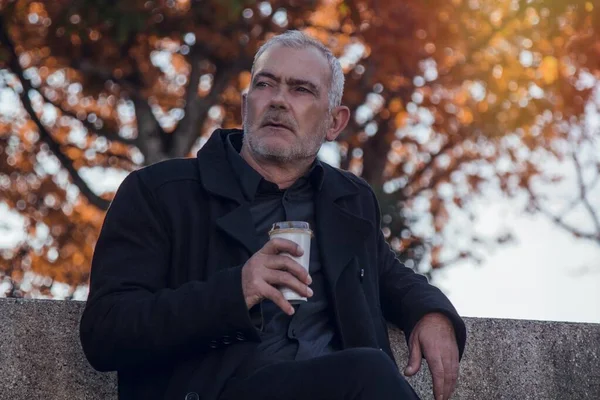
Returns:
<point x="449" y="98"/>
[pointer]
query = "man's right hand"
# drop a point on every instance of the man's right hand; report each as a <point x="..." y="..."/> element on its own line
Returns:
<point x="268" y="268"/>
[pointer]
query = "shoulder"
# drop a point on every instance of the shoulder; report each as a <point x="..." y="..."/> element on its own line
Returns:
<point x="361" y="184"/>
<point x="158" y="185"/>
<point x="162" y="173"/>
<point x="355" y="185"/>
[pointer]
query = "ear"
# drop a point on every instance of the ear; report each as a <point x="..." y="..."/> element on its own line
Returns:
<point x="244" y="105"/>
<point x="340" y="117"/>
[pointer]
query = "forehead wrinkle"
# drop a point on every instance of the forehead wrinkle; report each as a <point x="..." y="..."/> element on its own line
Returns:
<point x="290" y="81"/>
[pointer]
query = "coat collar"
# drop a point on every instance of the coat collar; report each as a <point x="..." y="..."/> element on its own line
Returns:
<point x="250" y="180"/>
<point x="216" y="172"/>
<point x="218" y="178"/>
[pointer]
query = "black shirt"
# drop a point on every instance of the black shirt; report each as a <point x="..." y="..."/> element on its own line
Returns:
<point x="310" y="331"/>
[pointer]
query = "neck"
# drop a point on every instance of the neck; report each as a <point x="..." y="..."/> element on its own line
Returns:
<point x="283" y="174"/>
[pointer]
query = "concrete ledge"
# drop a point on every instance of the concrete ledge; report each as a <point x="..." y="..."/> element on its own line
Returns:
<point x="40" y="357"/>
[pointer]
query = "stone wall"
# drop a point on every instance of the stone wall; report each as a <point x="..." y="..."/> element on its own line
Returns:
<point x="41" y="357"/>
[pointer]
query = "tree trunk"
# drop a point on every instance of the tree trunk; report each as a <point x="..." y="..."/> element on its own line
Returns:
<point x="149" y="139"/>
<point x="375" y="152"/>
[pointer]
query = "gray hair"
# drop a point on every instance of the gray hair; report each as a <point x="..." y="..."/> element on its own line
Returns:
<point x="298" y="40"/>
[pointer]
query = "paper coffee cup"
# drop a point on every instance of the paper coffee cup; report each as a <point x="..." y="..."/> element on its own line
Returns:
<point x="298" y="232"/>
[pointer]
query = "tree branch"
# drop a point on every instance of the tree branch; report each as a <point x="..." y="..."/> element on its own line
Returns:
<point x="345" y="162"/>
<point x="187" y="129"/>
<point x="461" y="256"/>
<point x="150" y="134"/>
<point x="152" y="139"/>
<point x="87" y="68"/>
<point x="105" y="133"/>
<point x="481" y="43"/>
<point x="54" y="146"/>
<point x="375" y="151"/>
<point x="197" y="107"/>
<point x="433" y="157"/>
<point x="582" y="195"/>
<point x="104" y="156"/>
<point x="558" y="221"/>
<point x="363" y="85"/>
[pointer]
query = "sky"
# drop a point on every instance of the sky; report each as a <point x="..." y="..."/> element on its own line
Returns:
<point x="546" y="274"/>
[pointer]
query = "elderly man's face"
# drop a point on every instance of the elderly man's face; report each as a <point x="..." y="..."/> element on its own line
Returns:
<point x="285" y="112"/>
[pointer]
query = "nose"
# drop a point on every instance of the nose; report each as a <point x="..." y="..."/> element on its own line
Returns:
<point x="278" y="101"/>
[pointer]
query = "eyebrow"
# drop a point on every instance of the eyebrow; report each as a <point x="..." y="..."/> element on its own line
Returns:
<point x="289" y="81"/>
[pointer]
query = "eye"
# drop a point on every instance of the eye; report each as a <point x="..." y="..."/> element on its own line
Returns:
<point x="303" y="89"/>
<point x="261" y="84"/>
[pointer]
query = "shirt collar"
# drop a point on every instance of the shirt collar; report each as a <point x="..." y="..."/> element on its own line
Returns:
<point x="250" y="179"/>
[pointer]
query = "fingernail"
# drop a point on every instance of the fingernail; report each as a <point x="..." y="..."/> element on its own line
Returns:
<point x="309" y="280"/>
<point x="292" y="311"/>
<point x="300" y="251"/>
<point x="310" y="292"/>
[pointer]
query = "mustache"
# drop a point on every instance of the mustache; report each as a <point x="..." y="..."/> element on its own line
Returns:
<point x="279" y="119"/>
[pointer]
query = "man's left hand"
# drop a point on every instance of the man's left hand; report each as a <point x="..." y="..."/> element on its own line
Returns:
<point x="433" y="337"/>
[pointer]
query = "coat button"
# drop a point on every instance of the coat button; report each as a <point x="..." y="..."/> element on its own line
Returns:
<point x="361" y="275"/>
<point x="226" y="340"/>
<point x="214" y="344"/>
<point x="240" y="336"/>
<point x="192" y="396"/>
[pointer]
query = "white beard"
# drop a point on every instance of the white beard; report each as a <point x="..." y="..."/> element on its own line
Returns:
<point x="297" y="151"/>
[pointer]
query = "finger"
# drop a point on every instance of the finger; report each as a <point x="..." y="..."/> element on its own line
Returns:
<point x="455" y="365"/>
<point x="436" y="367"/>
<point x="287" y="264"/>
<point x="279" y="245"/>
<point x="414" y="358"/>
<point x="276" y="297"/>
<point x="283" y="278"/>
<point x="449" y="376"/>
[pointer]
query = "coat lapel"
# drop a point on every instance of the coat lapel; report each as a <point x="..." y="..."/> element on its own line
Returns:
<point x="340" y="236"/>
<point x="239" y="225"/>
<point x="339" y="232"/>
<point x="219" y="179"/>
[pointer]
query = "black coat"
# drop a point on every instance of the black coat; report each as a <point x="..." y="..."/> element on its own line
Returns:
<point x="166" y="308"/>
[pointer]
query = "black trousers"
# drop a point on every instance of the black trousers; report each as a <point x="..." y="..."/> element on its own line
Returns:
<point x="352" y="374"/>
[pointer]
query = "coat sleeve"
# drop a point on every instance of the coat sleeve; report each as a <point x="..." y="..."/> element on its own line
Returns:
<point x="406" y="296"/>
<point x="131" y="318"/>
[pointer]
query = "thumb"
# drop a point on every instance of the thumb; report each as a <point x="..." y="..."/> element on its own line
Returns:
<point x="414" y="359"/>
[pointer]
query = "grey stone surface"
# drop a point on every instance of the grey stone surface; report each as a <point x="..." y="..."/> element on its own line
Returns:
<point x="521" y="360"/>
<point x="40" y="353"/>
<point x="41" y="357"/>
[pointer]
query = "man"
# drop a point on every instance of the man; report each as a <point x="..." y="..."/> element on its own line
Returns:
<point x="184" y="302"/>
